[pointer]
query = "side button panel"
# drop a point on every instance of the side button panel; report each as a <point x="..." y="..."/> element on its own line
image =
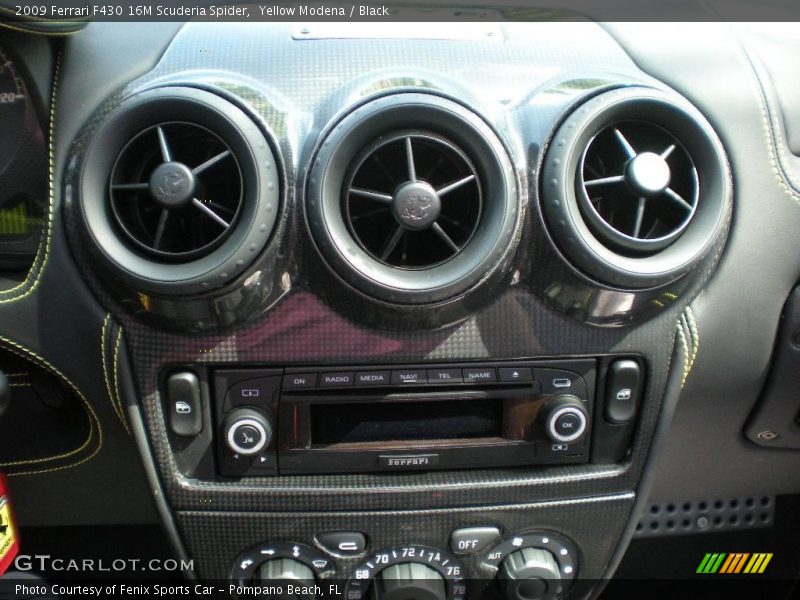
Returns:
<point x="184" y="404"/>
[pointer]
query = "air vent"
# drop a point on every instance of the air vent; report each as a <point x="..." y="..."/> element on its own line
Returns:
<point x="179" y="191"/>
<point x="635" y="187"/>
<point x="176" y="191"/>
<point x="412" y="199"/>
<point x="639" y="187"/>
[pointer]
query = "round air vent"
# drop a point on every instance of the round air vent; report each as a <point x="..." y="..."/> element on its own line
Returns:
<point x="176" y="191"/>
<point x="635" y="187"/>
<point x="412" y="199"/>
<point x="179" y="191"/>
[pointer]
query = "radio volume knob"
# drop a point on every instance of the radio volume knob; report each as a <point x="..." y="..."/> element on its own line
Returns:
<point x="565" y="419"/>
<point x="404" y="581"/>
<point x="247" y="431"/>
<point x="530" y="574"/>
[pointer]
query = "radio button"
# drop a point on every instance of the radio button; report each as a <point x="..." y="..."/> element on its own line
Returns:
<point x="373" y="378"/>
<point x="409" y="377"/>
<point x="557" y="381"/>
<point x="480" y="375"/>
<point x="469" y="540"/>
<point x="335" y="379"/>
<point x="299" y="380"/>
<point x="445" y="376"/>
<point x="515" y="374"/>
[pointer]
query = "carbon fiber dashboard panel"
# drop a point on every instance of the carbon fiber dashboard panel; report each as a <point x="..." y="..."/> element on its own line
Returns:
<point x="295" y="90"/>
<point x="219" y="537"/>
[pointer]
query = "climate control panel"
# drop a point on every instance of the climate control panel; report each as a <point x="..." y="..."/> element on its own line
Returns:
<point x="535" y="565"/>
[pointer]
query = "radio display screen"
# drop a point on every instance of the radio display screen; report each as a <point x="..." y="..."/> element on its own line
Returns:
<point x="400" y="421"/>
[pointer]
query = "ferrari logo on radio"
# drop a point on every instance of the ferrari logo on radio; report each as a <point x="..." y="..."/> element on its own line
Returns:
<point x="408" y="461"/>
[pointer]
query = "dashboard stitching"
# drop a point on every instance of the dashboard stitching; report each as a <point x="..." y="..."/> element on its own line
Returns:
<point x="774" y="139"/>
<point x="38" y="268"/>
<point x="94" y="421"/>
<point x="106" y="379"/>
<point x="685" y="346"/>
<point x="116" y="381"/>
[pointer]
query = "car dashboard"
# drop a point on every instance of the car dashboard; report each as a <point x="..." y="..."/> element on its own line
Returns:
<point x="445" y="311"/>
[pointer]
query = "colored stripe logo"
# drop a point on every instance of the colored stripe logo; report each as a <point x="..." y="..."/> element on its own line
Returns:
<point x="734" y="563"/>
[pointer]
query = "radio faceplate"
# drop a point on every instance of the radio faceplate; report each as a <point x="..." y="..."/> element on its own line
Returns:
<point x="263" y="421"/>
<point x="399" y="418"/>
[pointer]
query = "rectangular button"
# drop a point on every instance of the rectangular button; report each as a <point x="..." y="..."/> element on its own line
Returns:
<point x="184" y="405"/>
<point x="480" y="375"/>
<point x="622" y="391"/>
<point x="335" y="379"/>
<point x="299" y="380"/>
<point x="515" y="374"/>
<point x="409" y="376"/>
<point x="445" y="376"/>
<point x="408" y="461"/>
<point x="373" y="378"/>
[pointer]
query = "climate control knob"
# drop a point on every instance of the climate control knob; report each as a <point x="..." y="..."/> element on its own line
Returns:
<point x="530" y="574"/>
<point x="247" y="431"/>
<point x="565" y="419"/>
<point x="406" y="580"/>
<point x="286" y="570"/>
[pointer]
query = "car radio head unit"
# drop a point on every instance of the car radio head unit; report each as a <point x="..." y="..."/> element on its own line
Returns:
<point x="371" y="419"/>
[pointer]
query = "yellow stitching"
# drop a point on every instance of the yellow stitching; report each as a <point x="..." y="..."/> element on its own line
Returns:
<point x="20" y="384"/>
<point x="695" y="330"/>
<point x="686" y="328"/>
<point x="93" y="420"/>
<point x="763" y="81"/>
<point x="777" y="169"/>
<point x="48" y="236"/>
<point x="116" y="381"/>
<point x="685" y="345"/>
<point x="17" y="374"/>
<point x="105" y="366"/>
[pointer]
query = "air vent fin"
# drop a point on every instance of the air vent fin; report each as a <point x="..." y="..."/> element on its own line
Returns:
<point x="176" y="191"/>
<point x="179" y="192"/>
<point x="639" y="187"/>
<point x="414" y="200"/>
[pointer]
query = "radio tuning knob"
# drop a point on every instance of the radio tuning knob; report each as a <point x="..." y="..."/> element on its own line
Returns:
<point x="565" y="419"/>
<point x="530" y="574"/>
<point x="289" y="571"/>
<point x="247" y="431"/>
<point x="408" y="580"/>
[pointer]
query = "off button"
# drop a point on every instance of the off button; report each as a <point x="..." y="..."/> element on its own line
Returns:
<point x="469" y="540"/>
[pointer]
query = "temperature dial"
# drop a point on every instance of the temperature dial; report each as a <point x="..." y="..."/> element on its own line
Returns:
<point x="406" y="572"/>
<point x="409" y="580"/>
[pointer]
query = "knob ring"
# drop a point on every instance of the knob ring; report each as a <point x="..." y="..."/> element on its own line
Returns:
<point x="233" y="445"/>
<point x="551" y="430"/>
